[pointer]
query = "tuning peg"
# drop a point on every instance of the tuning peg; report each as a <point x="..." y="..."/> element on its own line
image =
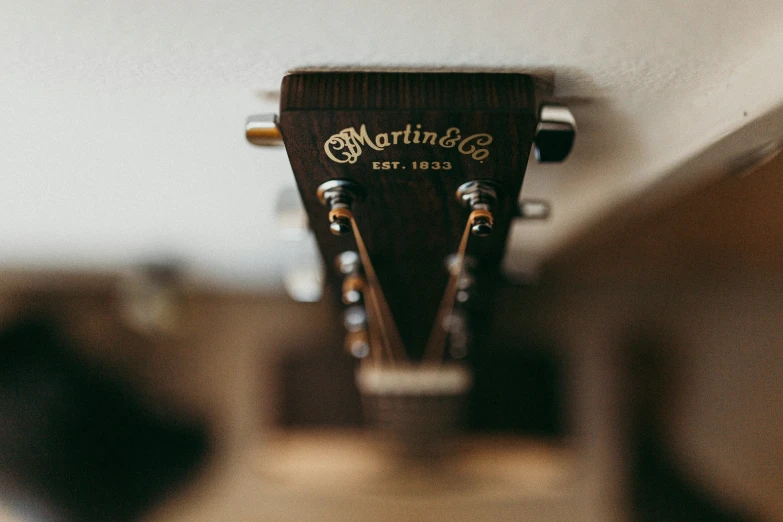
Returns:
<point x="348" y="263"/>
<point x="151" y="298"/>
<point x="479" y="195"/>
<point x="358" y="344"/>
<point x="534" y="209"/>
<point x="340" y="226"/>
<point x="482" y="226"/>
<point x="555" y="134"/>
<point x="261" y="130"/>
<point x="355" y="318"/>
<point x="338" y="194"/>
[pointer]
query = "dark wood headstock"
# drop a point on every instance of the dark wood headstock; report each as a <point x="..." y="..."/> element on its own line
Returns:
<point x="410" y="140"/>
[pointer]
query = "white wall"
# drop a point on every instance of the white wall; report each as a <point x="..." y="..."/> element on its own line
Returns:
<point x="121" y="122"/>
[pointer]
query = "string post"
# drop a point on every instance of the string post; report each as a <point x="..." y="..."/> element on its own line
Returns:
<point x="339" y="195"/>
<point x="349" y="264"/>
<point x="479" y="196"/>
<point x="358" y="344"/>
<point x="356" y="317"/>
<point x="481" y="225"/>
<point x="339" y="222"/>
<point x="353" y="289"/>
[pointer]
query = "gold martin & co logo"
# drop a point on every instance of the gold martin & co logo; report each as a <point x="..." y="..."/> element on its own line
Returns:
<point x="346" y="145"/>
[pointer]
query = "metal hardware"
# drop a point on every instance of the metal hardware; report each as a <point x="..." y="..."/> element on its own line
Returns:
<point x="479" y="195"/>
<point x="261" y="130"/>
<point x="455" y="265"/>
<point x="290" y="215"/>
<point x="340" y="226"/>
<point x="357" y="344"/>
<point x="151" y="298"/>
<point x="304" y="283"/>
<point x="475" y="193"/>
<point x="456" y="326"/>
<point x="303" y="270"/>
<point x="482" y="226"/>
<point x="534" y="209"/>
<point x="465" y="282"/>
<point x="555" y="134"/>
<point x="352" y="297"/>
<point x="355" y="319"/>
<point x="348" y="263"/>
<point x="340" y="193"/>
<point x="460" y="268"/>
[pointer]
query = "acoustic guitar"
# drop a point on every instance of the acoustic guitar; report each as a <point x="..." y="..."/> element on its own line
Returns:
<point x="410" y="182"/>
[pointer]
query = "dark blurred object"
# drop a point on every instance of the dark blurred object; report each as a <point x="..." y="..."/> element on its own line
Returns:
<point x="517" y="392"/>
<point x="319" y="390"/>
<point x="661" y="493"/>
<point x="555" y="134"/>
<point x="660" y="490"/>
<point x="76" y="445"/>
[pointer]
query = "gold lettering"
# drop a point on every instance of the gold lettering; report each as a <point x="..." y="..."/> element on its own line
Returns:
<point x="361" y="136"/>
<point x="382" y="144"/>
<point x="416" y="133"/>
<point x="476" y="153"/>
<point x="407" y="134"/>
<point x="450" y="139"/>
<point x="338" y="143"/>
<point x="348" y="142"/>
<point x="346" y="146"/>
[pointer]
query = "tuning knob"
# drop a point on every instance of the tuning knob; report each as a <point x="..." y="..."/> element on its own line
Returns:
<point x="261" y="130"/>
<point x="555" y="134"/>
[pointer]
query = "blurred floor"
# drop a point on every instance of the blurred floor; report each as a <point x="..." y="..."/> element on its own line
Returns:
<point x="666" y="327"/>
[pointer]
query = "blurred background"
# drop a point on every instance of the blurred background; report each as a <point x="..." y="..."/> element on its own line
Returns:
<point x="167" y="351"/>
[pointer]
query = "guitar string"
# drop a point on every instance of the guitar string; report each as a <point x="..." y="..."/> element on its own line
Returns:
<point x="372" y="289"/>
<point x="377" y="343"/>
<point x="436" y="344"/>
<point x="375" y="337"/>
<point x="389" y="337"/>
<point x="391" y="340"/>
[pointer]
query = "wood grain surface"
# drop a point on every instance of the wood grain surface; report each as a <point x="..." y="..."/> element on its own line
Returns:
<point x="410" y="218"/>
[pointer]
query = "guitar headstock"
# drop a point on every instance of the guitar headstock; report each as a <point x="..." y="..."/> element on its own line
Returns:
<point x="411" y="157"/>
